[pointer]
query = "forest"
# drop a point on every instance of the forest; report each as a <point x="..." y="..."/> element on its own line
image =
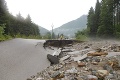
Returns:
<point x="103" y="21"/>
<point x="16" y="26"/>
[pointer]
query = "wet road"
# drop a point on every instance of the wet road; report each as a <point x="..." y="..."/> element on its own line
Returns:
<point x="20" y="58"/>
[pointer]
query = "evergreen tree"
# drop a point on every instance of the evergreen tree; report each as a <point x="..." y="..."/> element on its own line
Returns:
<point x="3" y="12"/>
<point x="97" y="17"/>
<point x="28" y="19"/>
<point x="116" y="12"/>
<point x="90" y="22"/>
<point x="106" y="28"/>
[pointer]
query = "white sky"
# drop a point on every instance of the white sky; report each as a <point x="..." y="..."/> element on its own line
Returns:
<point x="46" y="12"/>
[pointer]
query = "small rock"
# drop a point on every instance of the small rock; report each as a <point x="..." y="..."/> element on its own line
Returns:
<point x="102" y="73"/>
<point x="94" y="72"/>
<point x="86" y="69"/>
<point x="65" y="57"/>
<point x="95" y="63"/>
<point x="74" y="52"/>
<point x="86" y="47"/>
<point x="92" y="77"/>
<point x="57" y="75"/>
<point x="40" y="79"/>
<point x="73" y="78"/>
<point x="28" y="79"/>
<point x="56" y="53"/>
<point x="72" y="71"/>
<point x="57" y="67"/>
<point x="80" y="58"/>
<point x="98" y="50"/>
<point x="108" y="68"/>
<point x="81" y="64"/>
<point x="67" y="50"/>
<point x="110" y="76"/>
<point x="97" y="54"/>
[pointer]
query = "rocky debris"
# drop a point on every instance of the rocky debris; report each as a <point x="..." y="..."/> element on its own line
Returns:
<point x="92" y="61"/>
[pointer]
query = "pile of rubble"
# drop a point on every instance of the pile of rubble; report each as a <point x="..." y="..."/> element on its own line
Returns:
<point x="86" y="63"/>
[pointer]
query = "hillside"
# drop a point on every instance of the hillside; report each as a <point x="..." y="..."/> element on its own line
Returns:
<point x="43" y="31"/>
<point x="70" y="28"/>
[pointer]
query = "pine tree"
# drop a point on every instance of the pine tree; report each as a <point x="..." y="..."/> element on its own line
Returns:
<point x="3" y="12"/>
<point x="28" y="19"/>
<point x="90" y="22"/>
<point x="97" y="16"/>
<point x="106" y="28"/>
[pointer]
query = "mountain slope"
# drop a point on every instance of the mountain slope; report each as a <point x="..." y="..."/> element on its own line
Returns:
<point x="70" y="28"/>
<point x="43" y="31"/>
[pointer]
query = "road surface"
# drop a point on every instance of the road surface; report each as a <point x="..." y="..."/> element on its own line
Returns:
<point x="20" y="58"/>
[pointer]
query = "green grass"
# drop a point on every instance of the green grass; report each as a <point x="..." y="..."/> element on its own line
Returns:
<point x="82" y="38"/>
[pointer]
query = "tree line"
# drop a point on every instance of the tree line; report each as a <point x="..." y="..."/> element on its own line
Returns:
<point x="104" y="20"/>
<point x="16" y="26"/>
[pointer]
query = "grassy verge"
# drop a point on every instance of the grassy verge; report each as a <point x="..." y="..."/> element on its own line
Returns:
<point x="82" y="38"/>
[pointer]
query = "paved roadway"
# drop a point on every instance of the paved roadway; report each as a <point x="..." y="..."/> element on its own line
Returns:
<point x="20" y="59"/>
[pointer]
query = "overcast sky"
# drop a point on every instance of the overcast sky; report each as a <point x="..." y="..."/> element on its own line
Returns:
<point x="46" y="12"/>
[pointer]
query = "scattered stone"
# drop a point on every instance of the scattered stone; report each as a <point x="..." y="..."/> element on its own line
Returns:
<point x="75" y="52"/>
<point x="57" y="67"/>
<point x="56" y="53"/>
<point x="40" y="79"/>
<point x="81" y="64"/>
<point x="80" y="58"/>
<point x="102" y="73"/>
<point x="110" y="76"/>
<point x="97" y="54"/>
<point x="95" y="63"/>
<point x="28" y="79"/>
<point x="72" y="71"/>
<point x="98" y="50"/>
<point x="67" y="50"/>
<point x="86" y="47"/>
<point x="108" y="68"/>
<point x="92" y="77"/>
<point x="73" y="78"/>
<point x="65" y="57"/>
<point x="57" y="75"/>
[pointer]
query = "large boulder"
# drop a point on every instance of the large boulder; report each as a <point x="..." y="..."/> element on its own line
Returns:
<point x="53" y="59"/>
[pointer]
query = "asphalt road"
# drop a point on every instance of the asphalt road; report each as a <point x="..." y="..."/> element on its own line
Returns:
<point x="20" y="58"/>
